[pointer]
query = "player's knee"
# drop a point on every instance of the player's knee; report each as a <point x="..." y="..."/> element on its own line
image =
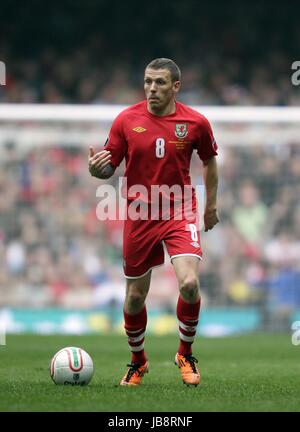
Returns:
<point x="135" y="300"/>
<point x="189" y="288"/>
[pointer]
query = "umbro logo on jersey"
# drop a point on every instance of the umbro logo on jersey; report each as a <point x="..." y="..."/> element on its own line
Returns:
<point x="139" y="129"/>
<point x="195" y="244"/>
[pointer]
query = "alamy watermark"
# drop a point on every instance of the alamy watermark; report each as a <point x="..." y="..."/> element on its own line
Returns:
<point x="2" y="332"/>
<point x="162" y="202"/>
<point x="2" y="73"/>
<point x="296" y="334"/>
<point x="295" y="78"/>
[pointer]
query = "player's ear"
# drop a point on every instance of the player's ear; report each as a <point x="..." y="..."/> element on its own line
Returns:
<point x="176" y="86"/>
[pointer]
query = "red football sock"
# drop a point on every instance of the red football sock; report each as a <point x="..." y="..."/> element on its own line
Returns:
<point x="135" y="327"/>
<point x="188" y="315"/>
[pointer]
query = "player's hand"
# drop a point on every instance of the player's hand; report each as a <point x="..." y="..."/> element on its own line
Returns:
<point x="210" y="218"/>
<point x="98" y="162"/>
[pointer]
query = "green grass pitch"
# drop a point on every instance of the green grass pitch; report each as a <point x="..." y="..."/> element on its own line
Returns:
<point x="242" y="373"/>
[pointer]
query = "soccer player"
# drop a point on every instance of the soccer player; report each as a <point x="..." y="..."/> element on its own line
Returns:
<point x="157" y="137"/>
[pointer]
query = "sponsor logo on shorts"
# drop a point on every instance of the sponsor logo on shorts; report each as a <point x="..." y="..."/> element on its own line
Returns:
<point x="195" y="244"/>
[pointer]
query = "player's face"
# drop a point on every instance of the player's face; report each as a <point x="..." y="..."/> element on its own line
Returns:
<point x="159" y="88"/>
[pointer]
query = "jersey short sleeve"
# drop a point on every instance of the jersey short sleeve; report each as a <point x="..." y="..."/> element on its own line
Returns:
<point x="116" y="142"/>
<point x="206" y="145"/>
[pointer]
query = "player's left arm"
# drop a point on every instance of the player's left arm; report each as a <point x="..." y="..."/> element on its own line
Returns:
<point x="210" y="176"/>
<point x="207" y="150"/>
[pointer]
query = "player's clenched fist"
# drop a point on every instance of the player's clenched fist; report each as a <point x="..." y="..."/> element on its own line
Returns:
<point x="210" y="219"/>
<point x="99" y="164"/>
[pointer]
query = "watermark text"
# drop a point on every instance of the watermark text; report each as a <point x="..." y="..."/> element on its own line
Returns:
<point x="296" y="75"/>
<point x="2" y="73"/>
<point x="161" y="202"/>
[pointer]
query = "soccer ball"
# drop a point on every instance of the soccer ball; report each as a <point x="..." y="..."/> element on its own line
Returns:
<point x="72" y="366"/>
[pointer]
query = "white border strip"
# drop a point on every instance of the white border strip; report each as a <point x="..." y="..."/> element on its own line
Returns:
<point x="133" y="331"/>
<point x="187" y="328"/>
<point x="95" y="113"/>
<point x="136" y="348"/>
<point x="186" y="338"/>
<point x="136" y="339"/>
<point x="186" y="254"/>
<point x="144" y="274"/>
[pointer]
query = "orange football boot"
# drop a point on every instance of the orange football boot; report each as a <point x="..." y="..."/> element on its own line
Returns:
<point x="135" y="374"/>
<point x="189" y="371"/>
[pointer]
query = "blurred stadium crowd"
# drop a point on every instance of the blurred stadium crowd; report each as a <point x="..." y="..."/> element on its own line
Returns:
<point x="86" y="52"/>
<point x="53" y="250"/>
<point x="75" y="78"/>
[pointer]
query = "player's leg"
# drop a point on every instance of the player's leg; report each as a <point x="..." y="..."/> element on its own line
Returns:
<point x="142" y="251"/>
<point x="135" y="318"/>
<point x="188" y="305"/>
<point x="182" y="240"/>
<point x="135" y="315"/>
<point x="136" y="293"/>
<point x="188" y="308"/>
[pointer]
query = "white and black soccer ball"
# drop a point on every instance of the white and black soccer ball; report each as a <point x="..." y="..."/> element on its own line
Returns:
<point x="73" y="366"/>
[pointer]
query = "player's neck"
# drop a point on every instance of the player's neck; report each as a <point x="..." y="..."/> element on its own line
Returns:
<point x="167" y="110"/>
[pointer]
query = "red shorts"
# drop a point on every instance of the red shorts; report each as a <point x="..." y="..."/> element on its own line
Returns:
<point x="143" y="243"/>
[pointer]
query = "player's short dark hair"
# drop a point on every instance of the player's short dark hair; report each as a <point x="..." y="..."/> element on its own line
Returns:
<point x="165" y="63"/>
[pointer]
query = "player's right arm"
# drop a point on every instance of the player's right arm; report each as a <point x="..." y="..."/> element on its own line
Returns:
<point x="99" y="164"/>
<point x="104" y="163"/>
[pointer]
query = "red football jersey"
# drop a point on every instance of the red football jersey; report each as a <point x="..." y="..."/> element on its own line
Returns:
<point x="158" y="149"/>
